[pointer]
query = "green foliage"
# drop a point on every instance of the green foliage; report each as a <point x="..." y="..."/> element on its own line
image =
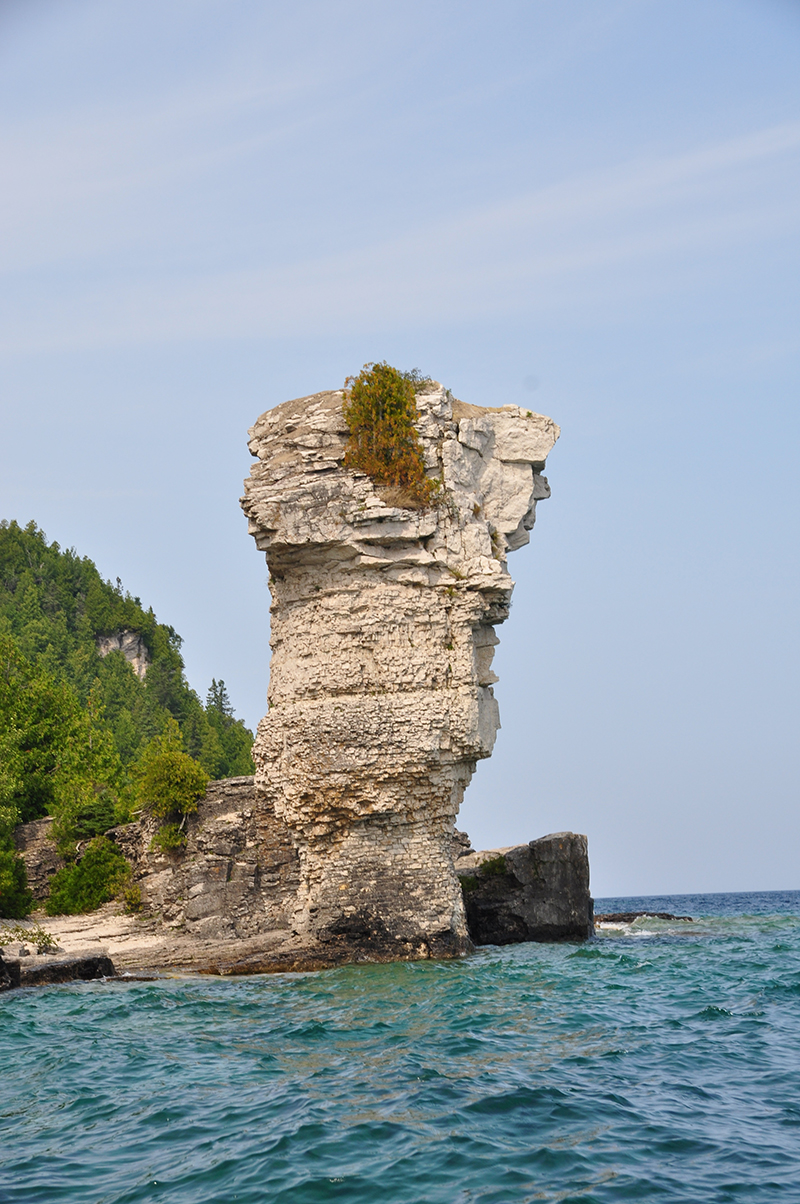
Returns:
<point x="169" y="838"/>
<point x="381" y="411"/>
<point x="132" y="897"/>
<point x="95" y="816"/>
<point x="74" y="726"/>
<point x="9" y="818"/>
<point x="60" y="758"/>
<point x="98" y="877"/>
<point x="16" y="900"/>
<point x="495" y="867"/>
<point x="235" y="741"/>
<point x="169" y="781"/>
<point x="29" y="934"/>
<point x="170" y="784"/>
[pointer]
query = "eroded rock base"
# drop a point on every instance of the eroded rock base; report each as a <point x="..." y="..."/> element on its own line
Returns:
<point x="228" y="903"/>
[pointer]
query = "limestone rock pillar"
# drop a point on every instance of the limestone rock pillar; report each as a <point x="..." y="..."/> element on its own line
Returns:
<point x="380" y="694"/>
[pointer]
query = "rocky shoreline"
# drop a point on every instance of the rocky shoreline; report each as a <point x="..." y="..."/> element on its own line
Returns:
<point x="224" y="904"/>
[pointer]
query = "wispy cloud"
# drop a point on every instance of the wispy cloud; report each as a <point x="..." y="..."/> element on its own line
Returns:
<point x="549" y="246"/>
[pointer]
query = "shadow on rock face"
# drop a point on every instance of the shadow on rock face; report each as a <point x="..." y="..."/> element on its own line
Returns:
<point x="533" y="892"/>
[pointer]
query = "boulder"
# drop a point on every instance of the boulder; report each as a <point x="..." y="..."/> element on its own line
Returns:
<point x="37" y="971"/>
<point x="531" y="892"/>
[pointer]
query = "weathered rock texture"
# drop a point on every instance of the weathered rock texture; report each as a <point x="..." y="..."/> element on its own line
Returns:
<point x="380" y="695"/>
<point x="46" y="971"/>
<point x="130" y="644"/>
<point x="37" y="849"/>
<point x="228" y="895"/>
<point x="236" y="878"/>
<point x="531" y="892"/>
<point x="9" y="974"/>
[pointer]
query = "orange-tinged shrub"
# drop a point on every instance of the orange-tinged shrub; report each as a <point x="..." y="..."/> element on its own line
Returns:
<point x="380" y="409"/>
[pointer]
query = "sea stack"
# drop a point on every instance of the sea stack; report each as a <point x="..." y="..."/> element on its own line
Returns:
<point x="383" y="632"/>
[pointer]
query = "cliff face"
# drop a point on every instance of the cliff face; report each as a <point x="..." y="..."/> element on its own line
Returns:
<point x="132" y="647"/>
<point x="380" y="695"/>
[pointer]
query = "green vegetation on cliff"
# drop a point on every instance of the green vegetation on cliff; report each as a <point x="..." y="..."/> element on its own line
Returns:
<point x="85" y="885"/>
<point x="380" y="410"/>
<point x="79" y="729"/>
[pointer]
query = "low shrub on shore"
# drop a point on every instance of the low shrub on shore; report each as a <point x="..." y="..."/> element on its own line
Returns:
<point x="28" y="934"/>
<point x="97" y="878"/>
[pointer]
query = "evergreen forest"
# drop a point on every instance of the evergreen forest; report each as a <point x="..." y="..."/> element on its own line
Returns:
<point x="82" y="735"/>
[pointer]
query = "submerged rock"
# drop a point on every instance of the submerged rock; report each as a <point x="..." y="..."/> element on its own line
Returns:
<point x="382" y="635"/>
<point x="530" y="892"/>
<point x="628" y="917"/>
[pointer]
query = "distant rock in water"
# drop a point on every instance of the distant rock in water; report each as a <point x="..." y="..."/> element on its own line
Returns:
<point x="530" y="892"/>
<point x="46" y="971"/>
<point x="383" y="632"/>
<point x="33" y="971"/>
<point x="628" y="917"/>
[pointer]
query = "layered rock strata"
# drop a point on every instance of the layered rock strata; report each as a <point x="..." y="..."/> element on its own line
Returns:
<point x="236" y="878"/>
<point x="226" y="898"/>
<point x="36" y="847"/>
<point x="532" y="892"/>
<point x="225" y="903"/>
<point x="383" y="633"/>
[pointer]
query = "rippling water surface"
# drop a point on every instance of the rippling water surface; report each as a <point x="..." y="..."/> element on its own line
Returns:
<point x="657" y="1062"/>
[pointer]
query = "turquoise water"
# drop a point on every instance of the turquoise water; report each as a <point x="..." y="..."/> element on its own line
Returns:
<point x="656" y="1063"/>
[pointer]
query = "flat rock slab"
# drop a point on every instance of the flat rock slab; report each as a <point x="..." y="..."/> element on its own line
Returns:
<point x="628" y="917"/>
<point x="43" y="971"/>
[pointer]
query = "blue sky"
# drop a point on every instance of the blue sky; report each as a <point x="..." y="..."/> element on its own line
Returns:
<point x="589" y="208"/>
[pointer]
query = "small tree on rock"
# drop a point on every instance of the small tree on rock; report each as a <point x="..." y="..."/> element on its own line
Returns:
<point x="380" y="409"/>
<point x="170" y="784"/>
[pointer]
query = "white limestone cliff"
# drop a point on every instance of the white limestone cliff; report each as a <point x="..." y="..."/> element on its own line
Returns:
<point x="131" y="645"/>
